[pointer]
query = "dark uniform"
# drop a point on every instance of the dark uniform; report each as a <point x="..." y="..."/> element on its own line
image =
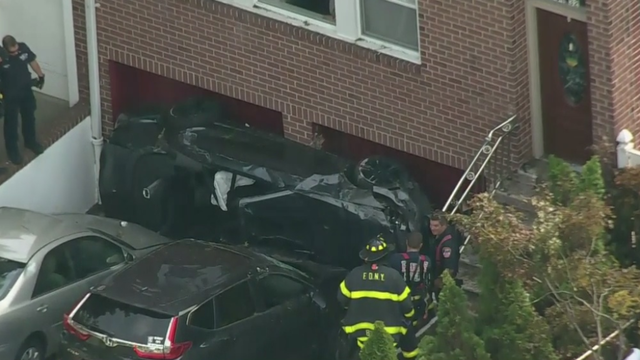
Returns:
<point x="373" y="292"/>
<point x="447" y="256"/>
<point x="447" y="252"/>
<point x="415" y="269"/>
<point x="18" y="99"/>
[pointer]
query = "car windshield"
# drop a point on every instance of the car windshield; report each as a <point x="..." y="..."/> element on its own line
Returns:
<point x="122" y="321"/>
<point x="9" y="272"/>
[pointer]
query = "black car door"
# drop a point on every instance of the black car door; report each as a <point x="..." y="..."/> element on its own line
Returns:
<point x="295" y="318"/>
<point x="239" y="330"/>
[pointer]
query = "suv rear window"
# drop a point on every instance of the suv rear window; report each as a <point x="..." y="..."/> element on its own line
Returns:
<point x="121" y="321"/>
<point x="9" y="273"/>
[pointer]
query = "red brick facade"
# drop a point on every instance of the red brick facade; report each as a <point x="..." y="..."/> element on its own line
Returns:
<point x="474" y="70"/>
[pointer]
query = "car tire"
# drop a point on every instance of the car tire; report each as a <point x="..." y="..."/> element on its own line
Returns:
<point x="380" y="171"/>
<point x="195" y="112"/>
<point x="32" y="349"/>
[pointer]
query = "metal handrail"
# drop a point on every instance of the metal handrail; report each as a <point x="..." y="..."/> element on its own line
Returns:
<point x="506" y="126"/>
<point x="477" y="176"/>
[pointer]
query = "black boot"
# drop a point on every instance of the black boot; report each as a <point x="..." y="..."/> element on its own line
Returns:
<point x="15" y="157"/>
<point x="35" y="147"/>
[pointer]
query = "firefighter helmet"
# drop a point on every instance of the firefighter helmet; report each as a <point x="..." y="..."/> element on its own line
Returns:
<point x="376" y="249"/>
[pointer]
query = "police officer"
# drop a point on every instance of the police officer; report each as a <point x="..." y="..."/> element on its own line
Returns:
<point x="374" y="292"/>
<point x="18" y="97"/>
<point x="446" y="250"/>
<point x="415" y="269"/>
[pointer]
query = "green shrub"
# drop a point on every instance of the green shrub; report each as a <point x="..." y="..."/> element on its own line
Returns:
<point x="455" y="338"/>
<point x="379" y="346"/>
<point x="591" y="179"/>
<point x="563" y="181"/>
<point x="508" y="322"/>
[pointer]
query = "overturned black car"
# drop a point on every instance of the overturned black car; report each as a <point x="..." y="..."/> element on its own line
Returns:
<point x="192" y="172"/>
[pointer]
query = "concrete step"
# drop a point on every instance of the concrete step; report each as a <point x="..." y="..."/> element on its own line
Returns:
<point x="521" y="203"/>
<point x="469" y="259"/>
<point x="525" y="178"/>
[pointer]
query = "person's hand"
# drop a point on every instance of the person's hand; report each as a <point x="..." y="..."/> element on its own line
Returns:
<point x="438" y="283"/>
<point x="40" y="83"/>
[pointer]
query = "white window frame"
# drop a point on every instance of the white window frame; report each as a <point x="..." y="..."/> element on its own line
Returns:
<point x="348" y="26"/>
<point x="397" y="2"/>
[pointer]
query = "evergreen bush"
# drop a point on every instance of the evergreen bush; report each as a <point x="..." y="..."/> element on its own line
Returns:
<point x="591" y="179"/>
<point x="455" y="338"/>
<point x="379" y="346"/>
<point x="563" y="180"/>
<point x="508" y="322"/>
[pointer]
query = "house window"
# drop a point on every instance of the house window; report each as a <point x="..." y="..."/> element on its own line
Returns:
<point x="574" y="3"/>
<point x="316" y="9"/>
<point x="393" y="21"/>
<point x="389" y="24"/>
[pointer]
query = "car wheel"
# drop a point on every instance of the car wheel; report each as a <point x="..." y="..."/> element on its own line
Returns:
<point x="31" y="350"/>
<point x="380" y="171"/>
<point x="195" y="112"/>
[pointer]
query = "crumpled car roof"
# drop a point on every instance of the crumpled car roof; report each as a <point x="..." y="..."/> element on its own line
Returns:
<point x="281" y="162"/>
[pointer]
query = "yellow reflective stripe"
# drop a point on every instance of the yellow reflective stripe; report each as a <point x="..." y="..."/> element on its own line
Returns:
<point x="370" y="326"/>
<point x="415" y="323"/>
<point x="405" y="294"/>
<point x="417" y="297"/>
<point x="410" y="313"/>
<point x="377" y="248"/>
<point x="410" y="354"/>
<point x="380" y="295"/>
<point x="344" y="290"/>
<point x="363" y="339"/>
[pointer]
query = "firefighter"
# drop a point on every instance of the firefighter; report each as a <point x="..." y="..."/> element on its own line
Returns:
<point x="415" y="269"/>
<point x="374" y="292"/>
<point x="447" y="249"/>
<point x="19" y="100"/>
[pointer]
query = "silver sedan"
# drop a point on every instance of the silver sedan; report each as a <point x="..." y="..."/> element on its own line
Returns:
<point x="47" y="263"/>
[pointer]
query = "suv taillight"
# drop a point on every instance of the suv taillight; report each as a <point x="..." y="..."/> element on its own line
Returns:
<point x="168" y="351"/>
<point x="68" y="323"/>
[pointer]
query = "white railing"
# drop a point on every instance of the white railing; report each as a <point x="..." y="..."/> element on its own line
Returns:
<point x="475" y="170"/>
<point x="627" y="154"/>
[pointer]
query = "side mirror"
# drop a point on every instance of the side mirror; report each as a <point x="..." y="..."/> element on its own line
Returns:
<point x="128" y="257"/>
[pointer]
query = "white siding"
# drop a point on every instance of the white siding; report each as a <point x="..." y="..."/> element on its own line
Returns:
<point x="60" y="180"/>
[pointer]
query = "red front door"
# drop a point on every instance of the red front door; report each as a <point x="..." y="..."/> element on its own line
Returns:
<point x="565" y="87"/>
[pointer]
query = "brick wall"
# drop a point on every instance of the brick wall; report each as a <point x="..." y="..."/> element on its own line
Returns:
<point x="474" y="72"/>
<point x="468" y="83"/>
<point x="614" y="54"/>
<point x="624" y="16"/>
